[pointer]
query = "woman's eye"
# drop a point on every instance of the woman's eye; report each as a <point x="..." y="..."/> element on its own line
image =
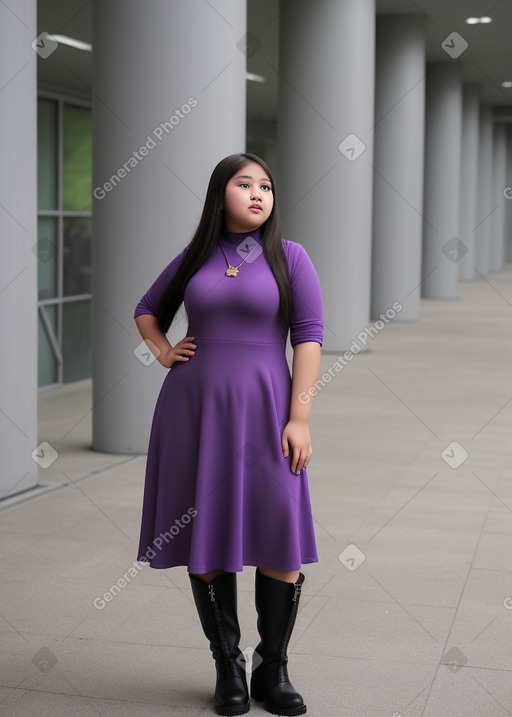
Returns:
<point x="244" y="184"/>
<point x="266" y="187"/>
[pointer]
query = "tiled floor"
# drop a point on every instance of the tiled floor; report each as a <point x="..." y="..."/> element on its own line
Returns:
<point x="408" y="612"/>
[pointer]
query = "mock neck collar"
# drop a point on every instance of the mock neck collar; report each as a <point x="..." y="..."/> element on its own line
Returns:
<point x="237" y="237"/>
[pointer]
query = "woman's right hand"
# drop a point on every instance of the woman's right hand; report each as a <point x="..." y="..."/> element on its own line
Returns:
<point x="182" y="351"/>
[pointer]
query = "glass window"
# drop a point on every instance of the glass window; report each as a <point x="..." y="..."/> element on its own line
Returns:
<point x="47" y="154"/>
<point x="77" y="179"/>
<point x="47" y="255"/>
<point x="64" y="240"/>
<point x="77" y="256"/>
<point x="47" y="362"/>
<point x="76" y="340"/>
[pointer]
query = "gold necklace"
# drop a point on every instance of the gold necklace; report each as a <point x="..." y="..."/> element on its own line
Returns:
<point x="233" y="270"/>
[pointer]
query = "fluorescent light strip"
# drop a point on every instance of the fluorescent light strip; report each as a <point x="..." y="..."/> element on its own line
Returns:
<point x="79" y="45"/>
<point x="71" y="42"/>
<point x="254" y="78"/>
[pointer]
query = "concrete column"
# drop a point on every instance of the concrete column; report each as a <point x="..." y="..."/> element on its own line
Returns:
<point x="171" y="103"/>
<point x="441" y="246"/>
<point x="398" y="161"/>
<point x="469" y="178"/>
<point x="18" y="248"/>
<point x="498" y="244"/>
<point x="325" y="151"/>
<point x="485" y="189"/>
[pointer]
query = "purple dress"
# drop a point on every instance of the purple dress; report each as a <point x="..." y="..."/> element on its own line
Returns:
<point x="218" y="493"/>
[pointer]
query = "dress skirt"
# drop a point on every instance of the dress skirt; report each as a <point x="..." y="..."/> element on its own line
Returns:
<point x="221" y="494"/>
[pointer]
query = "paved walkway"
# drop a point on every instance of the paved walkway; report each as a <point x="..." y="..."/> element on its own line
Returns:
<point x="409" y="611"/>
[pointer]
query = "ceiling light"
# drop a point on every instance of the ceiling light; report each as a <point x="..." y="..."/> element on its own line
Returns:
<point x="254" y="78"/>
<point x="507" y="83"/>
<point x="71" y="42"/>
<point x="484" y="20"/>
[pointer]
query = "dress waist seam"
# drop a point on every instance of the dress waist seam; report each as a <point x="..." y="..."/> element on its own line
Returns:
<point x="241" y="341"/>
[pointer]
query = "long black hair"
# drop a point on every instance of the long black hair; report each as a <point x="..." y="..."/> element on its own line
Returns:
<point x="208" y="232"/>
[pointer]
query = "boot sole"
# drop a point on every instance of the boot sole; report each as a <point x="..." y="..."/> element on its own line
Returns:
<point x="291" y="712"/>
<point x="233" y="712"/>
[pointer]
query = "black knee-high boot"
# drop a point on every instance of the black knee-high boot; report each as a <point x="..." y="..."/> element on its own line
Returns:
<point x="216" y="604"/>
<point x="277" y="604"/>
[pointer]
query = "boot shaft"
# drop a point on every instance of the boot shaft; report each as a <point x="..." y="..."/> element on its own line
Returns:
<point x="216" y="604"/>
<point x="277" y="604"/>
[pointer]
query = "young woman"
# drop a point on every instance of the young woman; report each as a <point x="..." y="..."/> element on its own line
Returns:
<point x="226" y="482"/>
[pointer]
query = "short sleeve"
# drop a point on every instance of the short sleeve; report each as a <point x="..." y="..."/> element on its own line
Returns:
<point x="149" y="302"/>
<point x="307" y="314"/>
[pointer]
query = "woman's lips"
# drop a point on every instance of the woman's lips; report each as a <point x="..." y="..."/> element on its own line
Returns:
<point x="255" y="208"/>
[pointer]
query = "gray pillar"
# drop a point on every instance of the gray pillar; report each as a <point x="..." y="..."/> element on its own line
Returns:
<point x="18" y="250"/>
<point x="441" y="246"/>
<point x="497" y="248"/>
<point x="508" y="196"/>
<point x="484" y="204"/>
<point x="325" y="151"/>
<point x="398" y="160"/>
<point x="171" y="103"/>
<point x="469" y="179"/>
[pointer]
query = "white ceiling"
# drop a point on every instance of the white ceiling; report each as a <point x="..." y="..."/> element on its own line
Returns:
<point x="487" y="60"/>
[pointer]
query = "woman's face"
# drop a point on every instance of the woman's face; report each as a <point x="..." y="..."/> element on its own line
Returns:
<point x="248" y="199"/>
